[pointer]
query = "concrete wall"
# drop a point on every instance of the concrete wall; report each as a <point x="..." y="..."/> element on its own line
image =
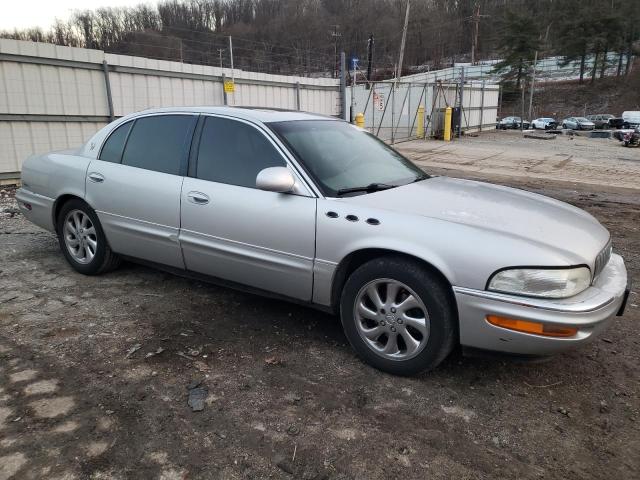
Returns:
<point x="54" y="97"/>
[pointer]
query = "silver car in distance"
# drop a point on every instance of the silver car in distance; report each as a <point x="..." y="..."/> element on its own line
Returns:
<point x="316" y="210"/>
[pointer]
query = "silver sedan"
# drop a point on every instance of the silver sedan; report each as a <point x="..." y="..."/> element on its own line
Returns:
<point x="578" y="123"/>
<point x="316" y="210"/>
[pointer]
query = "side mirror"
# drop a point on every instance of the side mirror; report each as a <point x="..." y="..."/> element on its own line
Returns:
<point x="275" y="179"/>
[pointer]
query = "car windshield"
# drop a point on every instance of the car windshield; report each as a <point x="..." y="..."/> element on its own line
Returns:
<point x="546" y="119"/>
<point x="341" y="156"/>
<point x="581" y="119"/>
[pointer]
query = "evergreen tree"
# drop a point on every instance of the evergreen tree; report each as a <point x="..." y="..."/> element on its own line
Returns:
<point x="519" y="40"/>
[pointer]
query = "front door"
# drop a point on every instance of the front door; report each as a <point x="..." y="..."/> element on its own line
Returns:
<point x="134" y="186"/>
<point x="234" y="231"/>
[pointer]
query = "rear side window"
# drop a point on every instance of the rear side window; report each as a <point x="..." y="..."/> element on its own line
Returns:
<point x="159" y="143"/>
<point x="234" y="152"/>
<point x="112" y="148"/>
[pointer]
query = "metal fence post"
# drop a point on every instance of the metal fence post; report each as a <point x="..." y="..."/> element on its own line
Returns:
<point x="482" y="106"/>
<point x="343" y="86"/>
<point x="224" y="92"/>
<point x="393" y="108"/>
<point x="297" y="95"/>
<point x="107" y="84"/>
<point x="373" y="106"/>
<point x="409" y="126"/>
<point x="461" y="101"/>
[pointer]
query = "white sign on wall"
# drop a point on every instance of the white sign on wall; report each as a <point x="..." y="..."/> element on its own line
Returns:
<point x="378" y="101"/>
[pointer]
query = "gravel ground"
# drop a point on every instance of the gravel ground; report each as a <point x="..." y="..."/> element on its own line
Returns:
<point x="95" y="377"/>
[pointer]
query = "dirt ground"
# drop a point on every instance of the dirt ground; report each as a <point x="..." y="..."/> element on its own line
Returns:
<point x="95" y="373"/>
<point x="591" y="162"/>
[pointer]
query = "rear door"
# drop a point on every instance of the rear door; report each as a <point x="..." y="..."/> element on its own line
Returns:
<point x="135" y="185"/>
<point x="234" y="231"/>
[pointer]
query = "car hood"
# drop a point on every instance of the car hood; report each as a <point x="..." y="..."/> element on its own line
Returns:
<point x="504" y="210"/>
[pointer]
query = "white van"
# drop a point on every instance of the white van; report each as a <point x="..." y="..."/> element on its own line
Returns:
<point x="631" y="119"/>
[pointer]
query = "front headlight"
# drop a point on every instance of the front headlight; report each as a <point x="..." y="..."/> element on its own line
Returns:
<point x="541" y="282"/>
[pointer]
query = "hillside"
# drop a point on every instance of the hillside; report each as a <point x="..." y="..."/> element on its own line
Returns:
<point x="563" y="99"/>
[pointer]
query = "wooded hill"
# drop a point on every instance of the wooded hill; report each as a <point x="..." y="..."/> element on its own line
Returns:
<point x="303" y="36"/>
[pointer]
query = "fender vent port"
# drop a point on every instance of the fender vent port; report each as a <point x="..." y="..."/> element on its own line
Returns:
<point x="332" y="215"/>
<point x="351" y="218"/>
<point x="373" y="221"/>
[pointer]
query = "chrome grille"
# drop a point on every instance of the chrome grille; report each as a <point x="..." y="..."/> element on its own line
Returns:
<point x="601" y="260"/>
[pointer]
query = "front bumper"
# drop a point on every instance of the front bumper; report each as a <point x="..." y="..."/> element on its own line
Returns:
<point x="589" y="311"/>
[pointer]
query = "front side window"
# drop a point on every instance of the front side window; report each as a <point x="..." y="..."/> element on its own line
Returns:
<point x="159" y="143"/>
<point x="234" y="152"/>
<point x="112" y="148"/>
<point x="341" y="156"/>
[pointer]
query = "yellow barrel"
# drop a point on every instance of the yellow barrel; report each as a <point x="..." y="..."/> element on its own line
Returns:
<point x="420" y="121"/>
<point x="360" y="120"/>
<point x="447" y="124"/>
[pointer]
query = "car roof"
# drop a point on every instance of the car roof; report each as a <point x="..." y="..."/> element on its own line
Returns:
<point x="259" y="114"/>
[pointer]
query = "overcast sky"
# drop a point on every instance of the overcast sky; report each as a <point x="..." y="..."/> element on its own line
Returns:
<point x="42" y="13"/>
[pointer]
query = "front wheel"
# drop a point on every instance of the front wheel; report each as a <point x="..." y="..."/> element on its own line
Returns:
<point x="398" y="315"/>
<point x="82" y="239"/>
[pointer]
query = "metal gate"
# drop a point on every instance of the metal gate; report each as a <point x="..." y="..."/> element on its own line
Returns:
<point x="391" y="108"/>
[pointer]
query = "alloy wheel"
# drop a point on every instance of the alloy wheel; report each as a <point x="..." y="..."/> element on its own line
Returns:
<point x="80" y="236"/>
<point x="391" y="319"/>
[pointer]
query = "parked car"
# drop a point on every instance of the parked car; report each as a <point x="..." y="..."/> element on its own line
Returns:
<point x="545" y="123"/>
<point x="630" y="119"/>
<point x="313" y="209"/>
<point x="512" y="123"/>
<point x="616" y="123"/>
<point x="578" y="123"/>
<point x="600" y="120"/>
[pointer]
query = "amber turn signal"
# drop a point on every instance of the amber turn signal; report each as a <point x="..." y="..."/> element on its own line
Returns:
<point x="536" y="328"/>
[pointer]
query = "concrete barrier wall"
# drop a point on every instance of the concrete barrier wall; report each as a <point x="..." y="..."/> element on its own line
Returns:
<point x="54" y="97"/>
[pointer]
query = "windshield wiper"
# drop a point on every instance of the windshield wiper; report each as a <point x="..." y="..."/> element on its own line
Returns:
<point x="372" y="187"/>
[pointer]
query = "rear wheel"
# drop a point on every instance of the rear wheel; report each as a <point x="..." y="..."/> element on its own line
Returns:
<point x="82" y="239"/>
<point x="398" y="316"/>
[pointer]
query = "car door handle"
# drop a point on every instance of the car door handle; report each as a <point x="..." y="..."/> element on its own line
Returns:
<point x="198" y="198"/>
<point x="96" y="177"/>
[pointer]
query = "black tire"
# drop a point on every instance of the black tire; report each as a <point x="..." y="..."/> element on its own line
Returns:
<point x="533" y="126"/>
<point x="434" y="294"/>
<point x="104" y="259"/>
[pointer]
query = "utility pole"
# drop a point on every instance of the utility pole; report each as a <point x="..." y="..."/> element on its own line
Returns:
<point x="533" y="74"/>
<point x="402" y="43"/>
<point x="369" y="59"/>
<point x="476" y="27"/>
<point x="233" y="76"/>
<point x="335" y="35"/>
<point x="220" y="50"/>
